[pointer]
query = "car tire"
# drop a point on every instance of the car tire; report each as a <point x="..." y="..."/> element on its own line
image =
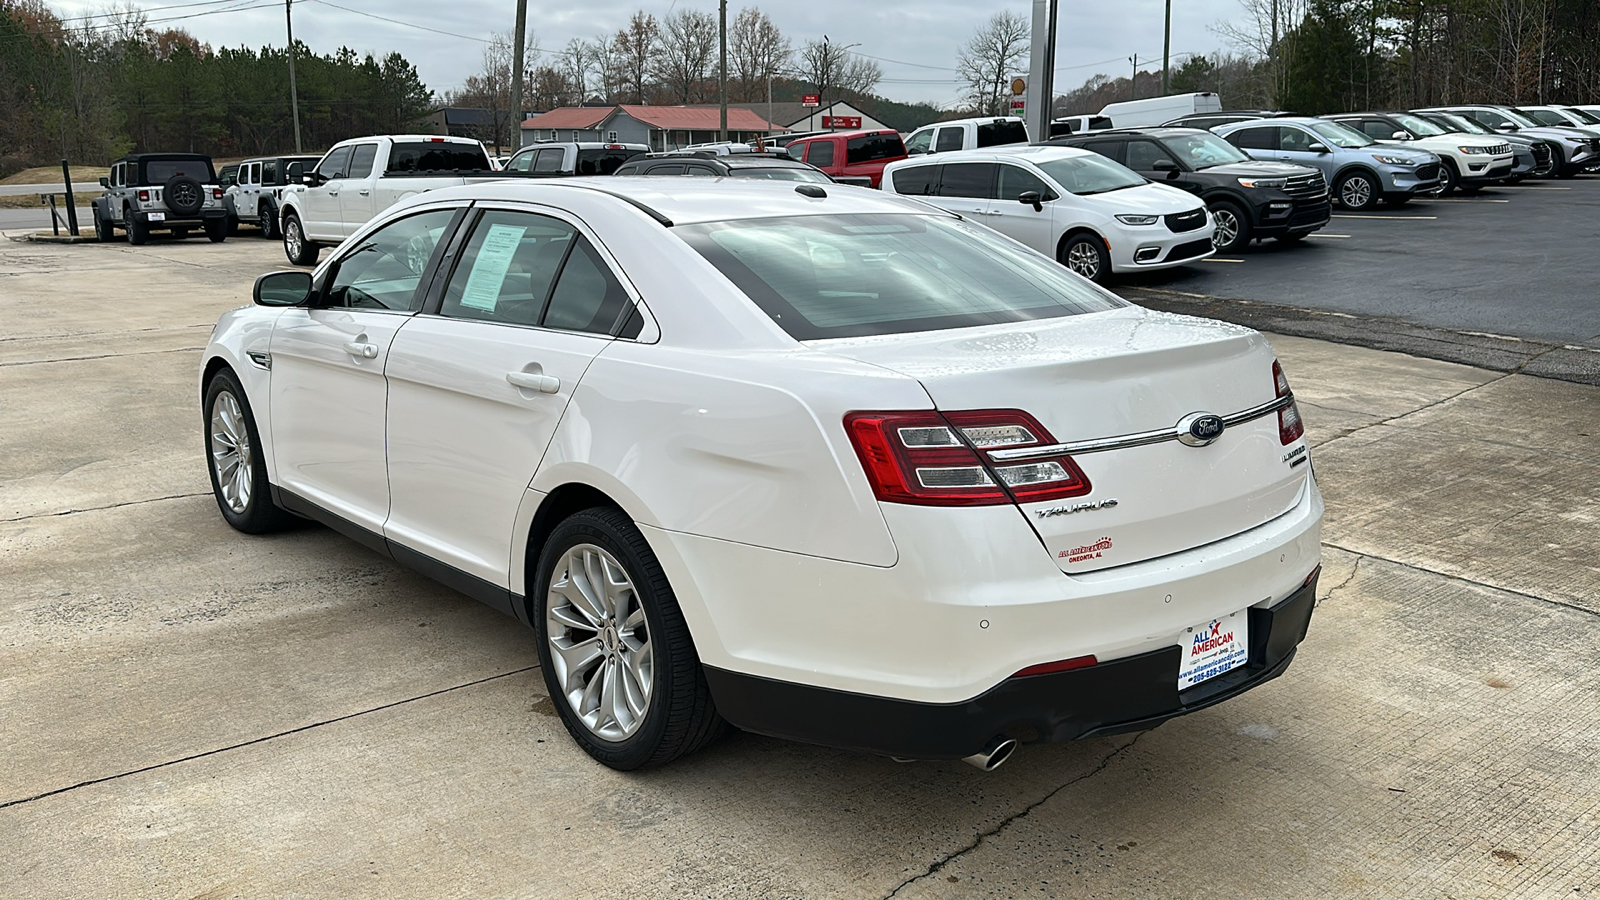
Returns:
<point x="234" y="459"/>
<point x="268" y="220"/>
<point x="1233" y="227"/>
<point x="1397" y="200"/>
<point x="216" y="230"/>
<point x="138" y="232"/>
<point x="1357" y="191"/>
<point x="104" y="231"/>
<point x="300" y="251"/>
<point x="618" y="660"/>
<point x="1085" y="254"/>
<point x="1449" y="178"/>
<point x="180" y="233"/>
<point x="233" y="225"/>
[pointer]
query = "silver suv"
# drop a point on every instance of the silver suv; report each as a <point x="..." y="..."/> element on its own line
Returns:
<point x="1360" y="171"/>
<point x="175" y="192"/>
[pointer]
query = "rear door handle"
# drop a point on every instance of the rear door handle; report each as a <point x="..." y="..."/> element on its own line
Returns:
<point x="360" y="350"/>
<point x="533" y="381"/>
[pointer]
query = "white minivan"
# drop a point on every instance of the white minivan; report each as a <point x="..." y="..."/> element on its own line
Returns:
<point x="1094" y="215"/>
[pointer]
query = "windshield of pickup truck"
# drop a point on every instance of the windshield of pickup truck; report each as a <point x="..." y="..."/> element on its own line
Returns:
<point x="436" y="156"/>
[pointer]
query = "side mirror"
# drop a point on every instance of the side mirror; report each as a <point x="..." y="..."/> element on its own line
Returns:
<point x="1317" y="147"/>
<point x="1399" y="136"/>
<point x="282" y="289"/>
<point x="1164" y="165"/>
<point x="311" y="179"/>
<point x="1031" y="198"/>
<point x="104" y="182"/>
<point x="1506" y="126"/>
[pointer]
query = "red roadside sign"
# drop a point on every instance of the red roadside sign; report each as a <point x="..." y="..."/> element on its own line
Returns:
<point x="810" y="99"/>
<point x="841" y="121"/>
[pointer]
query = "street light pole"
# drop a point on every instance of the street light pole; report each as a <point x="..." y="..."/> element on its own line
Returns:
<point x="1166" y="50"/>
<point x="294" y="94"/>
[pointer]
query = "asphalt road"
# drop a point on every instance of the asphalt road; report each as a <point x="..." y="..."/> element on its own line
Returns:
<point x="1497" y="279"/>
<point x="186" y="711"/>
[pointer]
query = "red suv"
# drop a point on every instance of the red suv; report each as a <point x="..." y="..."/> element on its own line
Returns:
<point x="851" y="154"/>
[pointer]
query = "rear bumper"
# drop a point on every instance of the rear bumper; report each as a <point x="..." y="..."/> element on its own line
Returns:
<point x="172" y="220"/>
<point x="1129" y="694"/>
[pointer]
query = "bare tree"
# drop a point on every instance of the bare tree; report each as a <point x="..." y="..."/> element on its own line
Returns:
<point x="490" y="89"/>
<point x="989" y="58"/>
<point x="610" y="70"/>
<point x="860" y="75"/>
<point x="579" y="60"/>
<point x="757" y="51"/>
<point x="1265" y="34"/>
<point x="636" y="47"/>
<point x="688" y="44"/>
<point x="834" y="69"/>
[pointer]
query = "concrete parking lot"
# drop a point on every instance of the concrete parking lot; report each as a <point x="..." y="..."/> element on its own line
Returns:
<point x="189" y="712"/>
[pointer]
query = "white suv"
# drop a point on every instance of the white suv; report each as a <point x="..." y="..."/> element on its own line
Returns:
<point x="1093" y="215"/>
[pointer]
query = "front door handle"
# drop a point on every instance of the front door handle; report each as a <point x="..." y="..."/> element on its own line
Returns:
<point x="361" y="350"/>
<point x="533" y="381"/>
<point x="363" y="193"/>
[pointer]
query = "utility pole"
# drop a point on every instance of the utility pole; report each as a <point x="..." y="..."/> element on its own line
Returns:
<point x="722" y="68"/>
<point x="1133" y="83"/>
<point x="516" y="77"/>
<point x="294" y="94"/>
<point x="1166" y="51"/>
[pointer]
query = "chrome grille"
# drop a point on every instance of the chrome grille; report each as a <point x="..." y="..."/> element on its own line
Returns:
<point x="1541" y="152"/>
<point x="1311" y="186"/>
<point x="1185" y="221"/>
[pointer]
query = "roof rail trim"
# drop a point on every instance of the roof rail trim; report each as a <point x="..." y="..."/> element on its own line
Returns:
<point x="645" y="208"/>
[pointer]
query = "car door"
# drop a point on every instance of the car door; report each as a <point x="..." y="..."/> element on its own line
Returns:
<point x="1257" y="141"/>
<point x="966" y="188"/>
<point x="357" y="205"/>
<point x="1021" y="221"/>
<point x="478" y="384"/>
<point x="319" y="204"/>
<point x="329" y="397"/>
<point x="820" y="153"/>
<point x="1294" y="146"/>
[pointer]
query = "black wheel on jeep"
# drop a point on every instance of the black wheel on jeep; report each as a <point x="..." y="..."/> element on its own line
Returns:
<point x="104" y="231"/>
<point x="138" y="231"/>
<point x="216" y="230"/>
<point x="269" y="221"/>
<point x="300" y="251"/>
<point x="180" y="233"/>
<point x="183" y="195"/>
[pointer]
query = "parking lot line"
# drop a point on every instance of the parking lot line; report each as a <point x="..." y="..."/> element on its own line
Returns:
<point x="1327" y="235"/>
<point x="1460" y="200"/>
<point x="1403" y="218"/>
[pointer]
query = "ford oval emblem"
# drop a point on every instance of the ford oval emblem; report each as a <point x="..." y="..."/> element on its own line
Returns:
<point x="1199" y="429"/>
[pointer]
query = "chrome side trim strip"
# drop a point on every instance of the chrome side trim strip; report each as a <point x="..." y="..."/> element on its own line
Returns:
<point x="1137" y="439"/>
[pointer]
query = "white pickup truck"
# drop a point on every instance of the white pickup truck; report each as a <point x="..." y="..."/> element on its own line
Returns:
<point x="359" y="178"/>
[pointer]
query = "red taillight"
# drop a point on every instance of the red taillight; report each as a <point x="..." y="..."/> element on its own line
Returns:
<point x="216" y="193"/>
<point x="927" y="458"/>
<point x="1290" y="428"/>
<point x="144" y="196"/>
<point x="1063" y="665"/>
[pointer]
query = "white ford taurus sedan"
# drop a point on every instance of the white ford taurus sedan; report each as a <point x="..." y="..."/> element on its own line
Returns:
<point x="820" y="462"/>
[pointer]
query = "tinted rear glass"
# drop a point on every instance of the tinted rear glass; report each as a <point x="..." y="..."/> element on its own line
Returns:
<point x="159" y="171"/>
<point x="436" y="157"/>
<point x="994" y="134"/>
<point x="853" y="275"/>
<point x="603" y="162"/>
<point x="874" y="147"/>
<point x="917" y="180"/>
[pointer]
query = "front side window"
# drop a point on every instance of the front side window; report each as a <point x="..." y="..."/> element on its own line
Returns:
<point x="918" y="143"/>
<point x="382" y="272"/>
<point x="1545" y="116"/>
<point x="828" y="276"/>
<point x="1338" y="135"/>
<point x="522" y="162"/>
<point x="1204" y="150"/>
<point x="335" y="164"/>
<point x="1015" y="181"/>
<point x="1418" y="125"/>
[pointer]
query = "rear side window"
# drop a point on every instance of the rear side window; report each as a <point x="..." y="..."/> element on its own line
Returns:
<point x="361" y="160"/>
<point x="436" y="156"/>
<point x="1262" y="138"/>
<point x="587" y="296"/>
<point x="505" y="272"/>
<point x="967" y="180"/>
<point x="831" y="276"/>
<point x="992" y="134"/>
<point x="1109" y="149"/>
<point x="916" y="180"/>
<point x="820" y="154"/>
<point x="269" y="172"/>
<point x="549" y="160"/>
<point x="948" y="139"/>
<point x="874" y="147"/>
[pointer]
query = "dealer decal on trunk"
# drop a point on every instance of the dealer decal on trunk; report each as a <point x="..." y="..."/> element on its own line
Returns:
<point x="1091" y="551"/>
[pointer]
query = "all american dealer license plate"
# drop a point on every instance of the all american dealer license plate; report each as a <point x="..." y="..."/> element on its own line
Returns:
<point x="1214" y="647"/>
<point x="156" y="217"/>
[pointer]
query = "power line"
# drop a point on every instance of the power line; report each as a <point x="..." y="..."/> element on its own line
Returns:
<point x="465" y="37"/>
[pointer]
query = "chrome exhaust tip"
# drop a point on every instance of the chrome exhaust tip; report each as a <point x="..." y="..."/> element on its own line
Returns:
<point x="997" y="751"/>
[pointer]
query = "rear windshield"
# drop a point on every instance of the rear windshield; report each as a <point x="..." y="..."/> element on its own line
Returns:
<point x="603" y="162"/>
<point x="874" y="147"/>
<point x="159" y="171"/>
<point x="431" y="156"/>
<point x="852" y="275"/>
<point x="993" y="134"/>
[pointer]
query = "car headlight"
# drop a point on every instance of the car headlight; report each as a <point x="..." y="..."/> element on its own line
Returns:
<point x="1278" y="183"/>
<point x="1127" y="219"/>
<point x="1476" y="150"/>
<point x="1576" y="142"/>
<point x="1394" y="160"/>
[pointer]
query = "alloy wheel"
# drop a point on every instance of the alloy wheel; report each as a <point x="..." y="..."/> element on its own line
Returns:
<point x="231" y="455"/>
<point x="1227" y="228"/>
<point x="1083" y="259"/>
<point x="599" y="642"/>
<point x="1356" y="192"/>
<point x="291" y="236"/>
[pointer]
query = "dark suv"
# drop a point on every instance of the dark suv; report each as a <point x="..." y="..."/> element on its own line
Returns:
<point x="1249" y="199"/>
<point x="772" y="166"/>
<point x="177" y="192"/>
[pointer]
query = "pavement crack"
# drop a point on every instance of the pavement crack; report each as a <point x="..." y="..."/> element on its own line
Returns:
<point x="1423" y="408"/>
<point x="73" y="512"/>
<point x="62" y="359"/>
<point x="265" y="738"/>
<point x="1354" y="570"/>
<point x="939" y="864"/>
<point x="1465" y="580"/>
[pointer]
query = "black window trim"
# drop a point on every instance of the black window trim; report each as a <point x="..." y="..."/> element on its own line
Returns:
<point x="429" y="272"/>
<point x="438" y="277"/>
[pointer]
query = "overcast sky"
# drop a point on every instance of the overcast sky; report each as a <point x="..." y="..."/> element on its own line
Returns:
<point x="915" y="41"/>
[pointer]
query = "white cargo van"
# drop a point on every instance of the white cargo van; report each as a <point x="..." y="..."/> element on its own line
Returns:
<point x="1155" y="110"/>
